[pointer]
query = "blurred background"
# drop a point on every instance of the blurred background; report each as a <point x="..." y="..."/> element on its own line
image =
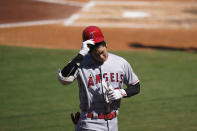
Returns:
<point x="134" y="24"/>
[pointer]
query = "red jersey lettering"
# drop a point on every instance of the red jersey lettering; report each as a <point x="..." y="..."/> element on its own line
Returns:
<point x="90" y="82"/>
<point x="112" y="77"/>
<point x="105" y="77"/>
<point x="121" y="78"/>
<point x="98" y="78"/>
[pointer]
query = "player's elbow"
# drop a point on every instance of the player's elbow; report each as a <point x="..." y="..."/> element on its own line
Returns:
<point x="65" y="80"/>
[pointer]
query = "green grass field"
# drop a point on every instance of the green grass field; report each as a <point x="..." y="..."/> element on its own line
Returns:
<point x="31" y="98"/>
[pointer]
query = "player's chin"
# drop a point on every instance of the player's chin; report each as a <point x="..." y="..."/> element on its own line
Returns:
<point x="102" y="59"/>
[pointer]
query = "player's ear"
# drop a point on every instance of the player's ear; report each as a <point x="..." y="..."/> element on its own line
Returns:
<point x="105" y="45"/>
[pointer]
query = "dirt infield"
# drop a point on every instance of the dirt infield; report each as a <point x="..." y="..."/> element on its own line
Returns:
<point x="162" y="29"/>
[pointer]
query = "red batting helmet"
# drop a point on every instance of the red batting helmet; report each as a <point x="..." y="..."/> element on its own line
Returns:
<point x="93" y="32"/>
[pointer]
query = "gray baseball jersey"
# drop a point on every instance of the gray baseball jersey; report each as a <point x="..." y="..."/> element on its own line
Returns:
<point x="90" y="75"/>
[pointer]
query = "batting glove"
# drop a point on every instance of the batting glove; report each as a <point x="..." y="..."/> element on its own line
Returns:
<point x="108" y="88"/>
<point x="116" y="94"/>
<point x="84" y="48"/>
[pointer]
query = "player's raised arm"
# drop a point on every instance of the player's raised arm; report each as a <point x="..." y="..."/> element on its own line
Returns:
<point x="68" y="73"/>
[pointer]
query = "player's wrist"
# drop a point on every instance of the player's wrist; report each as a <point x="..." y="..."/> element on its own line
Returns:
<point x="123" y="92"/>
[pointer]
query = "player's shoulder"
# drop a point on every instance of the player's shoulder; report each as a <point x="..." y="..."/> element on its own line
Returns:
<point x="119" y="60"/>
<point x="116" y="57"/>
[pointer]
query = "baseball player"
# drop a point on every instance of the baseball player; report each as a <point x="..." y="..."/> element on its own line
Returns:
<point x="100" y="77"/>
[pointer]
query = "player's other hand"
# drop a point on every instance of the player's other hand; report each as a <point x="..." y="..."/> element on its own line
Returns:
<point x="85" y="47"/>
<point x="111" y="93"/>
<point x="116" y="94"/>
<point x="108" y="87"/>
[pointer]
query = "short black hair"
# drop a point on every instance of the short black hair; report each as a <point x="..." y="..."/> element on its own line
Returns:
<point x="96" y="45"/>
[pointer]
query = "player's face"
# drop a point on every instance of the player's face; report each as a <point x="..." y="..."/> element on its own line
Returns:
<point x="100" y="54"/>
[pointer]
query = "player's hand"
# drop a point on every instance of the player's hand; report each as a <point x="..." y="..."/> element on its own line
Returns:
<point x="85" y="47"/>
<point x="116" y="94"/>
<point x="108" y="87"/>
